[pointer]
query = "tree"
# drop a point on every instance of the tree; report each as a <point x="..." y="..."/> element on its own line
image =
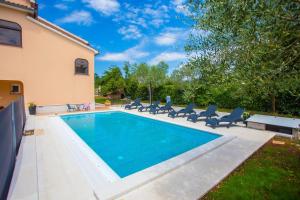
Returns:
<point x="97" y="81"/>
<point x="150" y="76"/>
<point x="112" y="82"/>
<point x="131" y="84"/>
<point x="254" y="44"/>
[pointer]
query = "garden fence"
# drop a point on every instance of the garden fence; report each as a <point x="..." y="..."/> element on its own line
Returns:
<point x="12" y="121"/>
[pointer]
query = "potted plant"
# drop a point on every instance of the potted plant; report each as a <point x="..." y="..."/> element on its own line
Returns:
<point x="246" y="115"/>
<point x="107" y="103"/>
<point x="32" y="108"/>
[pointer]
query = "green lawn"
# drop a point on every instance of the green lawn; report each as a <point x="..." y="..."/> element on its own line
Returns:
<point x="271" y="173"/>
<point x="113" y="101"/>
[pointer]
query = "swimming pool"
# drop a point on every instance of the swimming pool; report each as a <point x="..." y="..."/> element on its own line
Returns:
<point x="129" y="143"/>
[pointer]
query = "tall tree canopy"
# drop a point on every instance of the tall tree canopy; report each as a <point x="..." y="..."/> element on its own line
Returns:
<point x="131" y="84"/>
<point x="150" y="76"/>
<point x="254" y="45"/>
<point x="97" y="81"/>
<point x="112" y="82"/>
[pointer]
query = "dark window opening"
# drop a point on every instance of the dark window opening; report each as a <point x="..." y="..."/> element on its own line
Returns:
<point x="15" y="89"/>
<point x="10" y="33"/>
<point x="81" y="66"/>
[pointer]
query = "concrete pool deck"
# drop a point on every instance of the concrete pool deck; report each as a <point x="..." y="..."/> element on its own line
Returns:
<point x="49" y="168"/>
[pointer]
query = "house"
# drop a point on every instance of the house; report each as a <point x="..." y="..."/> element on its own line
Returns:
<point x="46" y="64"/>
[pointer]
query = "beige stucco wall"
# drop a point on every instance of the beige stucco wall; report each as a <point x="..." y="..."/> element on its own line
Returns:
<point x="45" y="65"/>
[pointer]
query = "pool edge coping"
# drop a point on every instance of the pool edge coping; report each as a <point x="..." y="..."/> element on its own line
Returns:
<point x="116" y="189"/>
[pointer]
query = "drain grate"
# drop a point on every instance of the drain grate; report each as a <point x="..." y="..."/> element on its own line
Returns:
<point x="29" y="132"/>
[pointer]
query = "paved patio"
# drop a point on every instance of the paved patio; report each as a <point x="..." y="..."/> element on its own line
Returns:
<point x="49" y="168"/>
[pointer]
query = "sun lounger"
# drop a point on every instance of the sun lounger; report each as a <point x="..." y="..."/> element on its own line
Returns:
<point x="235" y="116"/>
<point x="165" y="108"/>
<point x="208" y="113"/>
<point x="189" y="109"/>
<point x="134" y="105"/>
<point x="152" y="106"/>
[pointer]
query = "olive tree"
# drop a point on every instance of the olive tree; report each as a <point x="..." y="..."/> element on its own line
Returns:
<point x="150" y="76"/>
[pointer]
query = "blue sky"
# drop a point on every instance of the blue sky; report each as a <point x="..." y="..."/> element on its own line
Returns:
<point x="125" y="30"/>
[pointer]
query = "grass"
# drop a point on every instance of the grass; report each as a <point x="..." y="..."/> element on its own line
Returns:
<point x="271" y="173"/>
<point x="113" y="101"/>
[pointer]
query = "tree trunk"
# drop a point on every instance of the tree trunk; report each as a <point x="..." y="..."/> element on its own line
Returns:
<point x="273" y="103"/>
<point x="150" y="93"/>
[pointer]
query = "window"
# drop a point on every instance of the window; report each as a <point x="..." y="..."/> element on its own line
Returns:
<point x="81" y="66"/>
<point x="15" y="89"/>
<point x="10" y="33"/>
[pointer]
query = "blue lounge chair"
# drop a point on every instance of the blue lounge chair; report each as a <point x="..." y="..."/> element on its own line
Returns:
<point x="135" y="104"/>
<point x="167" y="107"/>
<point x="154" y="105"/>
<point x="189" y="109"/>
<point x="235" y="116"/>
<point x="210" y="112"/>
<point x="71" y="107"/>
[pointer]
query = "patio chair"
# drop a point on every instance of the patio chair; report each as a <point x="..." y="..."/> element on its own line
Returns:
<point x="208" y="113"/>
<point x="167" y="107"/>
<point x="235" y="116"/>
<point x="154" y="105"/>
<point x="71" y="108"/>
<point x="86" y="106"/>
<point x="135" y="104"/>
<point x="189" y="109"/>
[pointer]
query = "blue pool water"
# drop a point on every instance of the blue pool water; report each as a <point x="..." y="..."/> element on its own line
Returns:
<point x="130" y="143"/>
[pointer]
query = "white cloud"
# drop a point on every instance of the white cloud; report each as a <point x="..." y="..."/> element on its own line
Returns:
<point x="166" y="39"/>
<point x="61" y="6"/>
<point x="132" y="54"/>
<point x="139" y="21"/>
<point x="156" y="12"/>
<point x="106" y="7"/>
<point x="130" y="32"/>
<point x="156" y="15"/>
<point x="158" y="22"/>
<point x="168" y="57"/>
<point x="171" y="35"/>
<point x="143" y="17"/>
<point x="78" y="17"/>
<point x="180" y="7"/>
<point x="115" y="57"/>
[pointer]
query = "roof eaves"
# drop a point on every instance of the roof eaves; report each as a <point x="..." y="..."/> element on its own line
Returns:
<point x="86" y="45"/>
<point x="62" y="30"/>
<point x="17" y="6"/>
